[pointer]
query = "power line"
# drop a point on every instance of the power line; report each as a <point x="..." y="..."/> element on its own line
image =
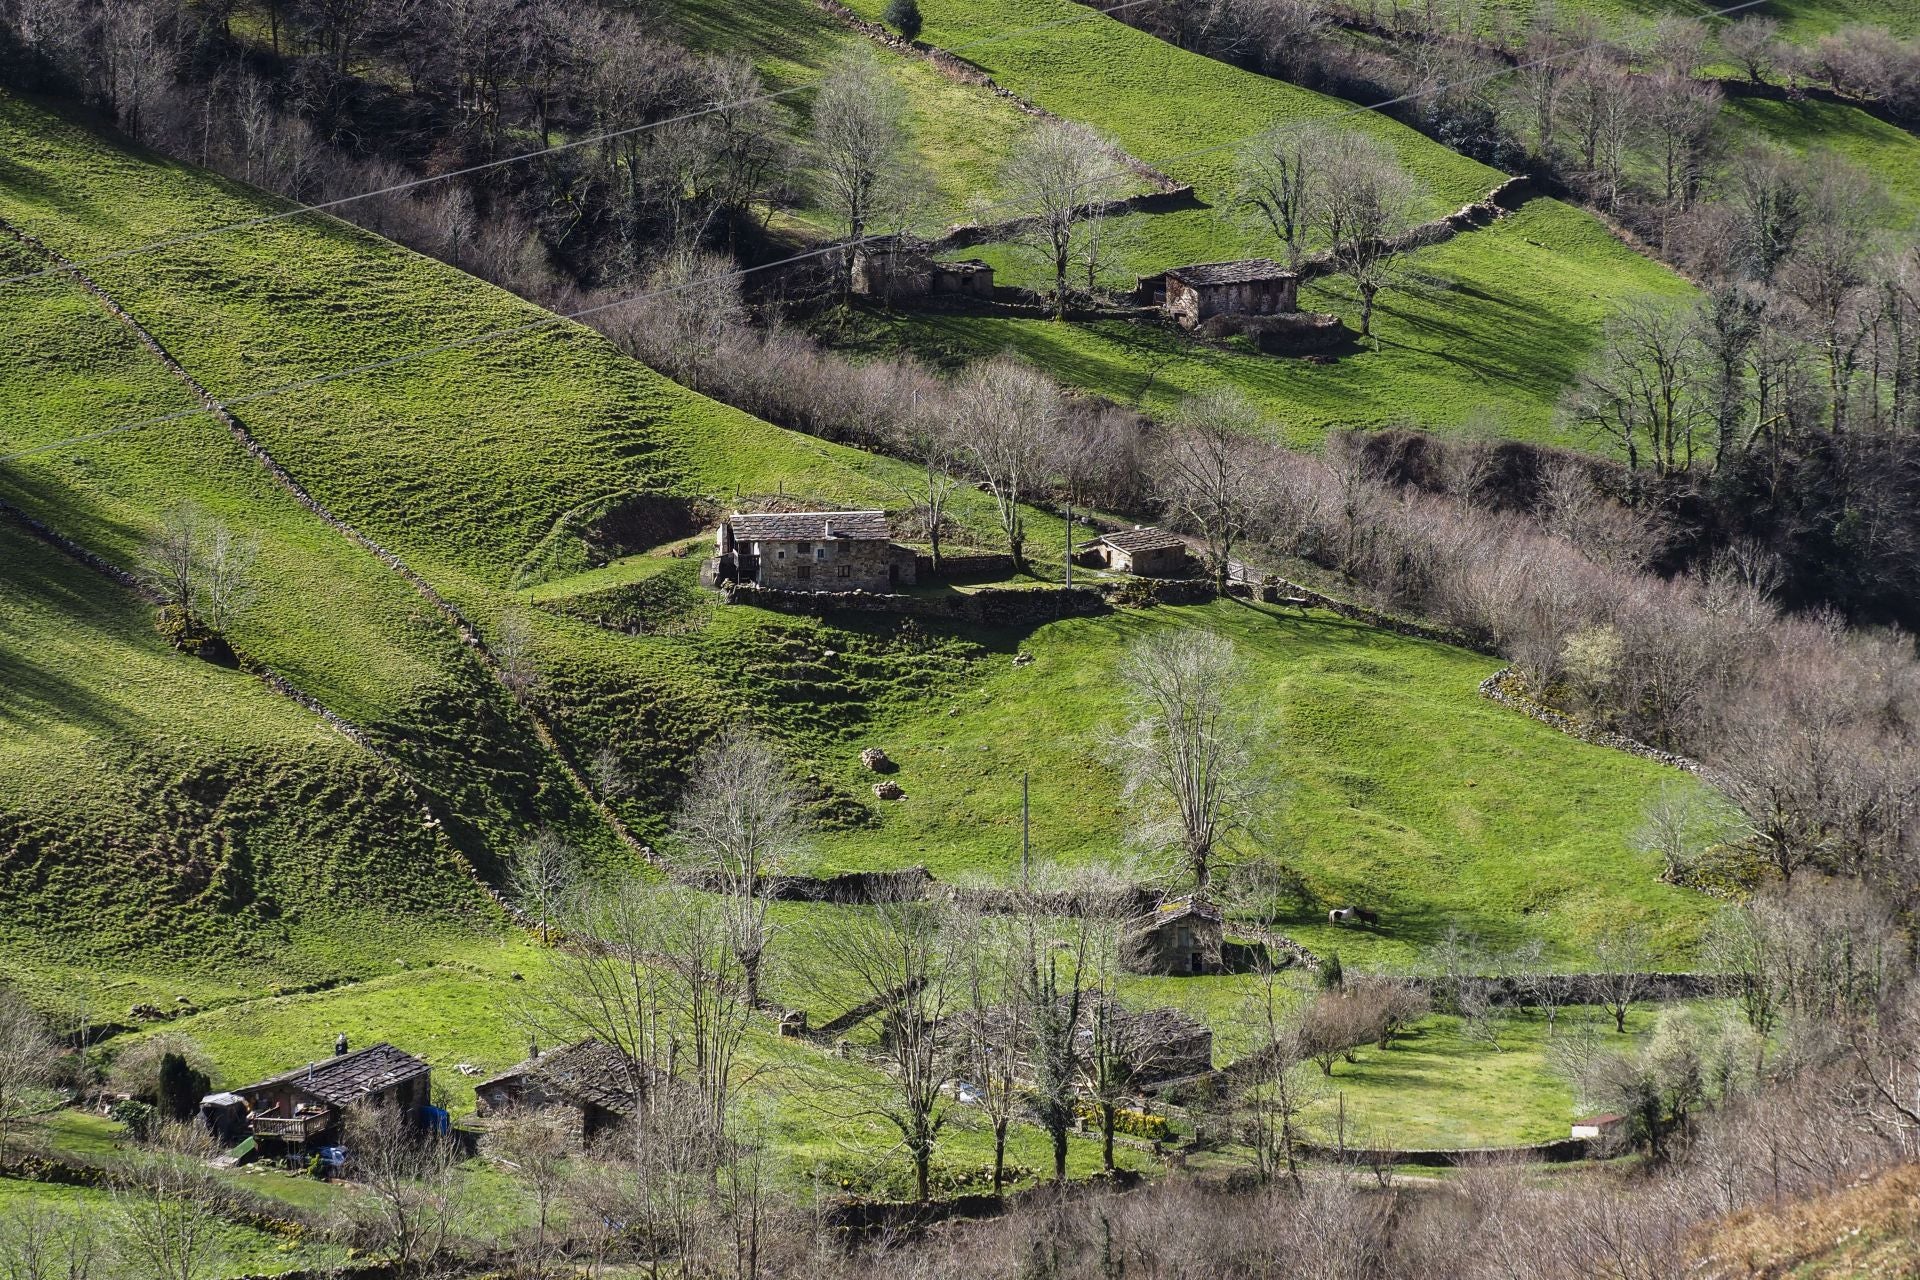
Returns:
<point x="550" y="320"/>
<point x="411" y="184"/>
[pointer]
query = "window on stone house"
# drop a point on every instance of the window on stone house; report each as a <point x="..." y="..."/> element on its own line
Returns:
<point x="820" y="553"/>
<point x="803" y="572"/>
<point x="804" y="548"/>
<point x="846" y="571"/>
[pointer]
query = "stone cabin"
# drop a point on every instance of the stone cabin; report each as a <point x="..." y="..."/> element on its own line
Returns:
<point x="1151" y="553"/>
<point x="1180" y="936"/>
<point x="810" y="551"/>
<point x="892" y="272"/>
<point x="1157" y="1045"/>
<point x="1251" y="287"/>
<point x="304" y="1107"/>
<point x="592" y="1081"/>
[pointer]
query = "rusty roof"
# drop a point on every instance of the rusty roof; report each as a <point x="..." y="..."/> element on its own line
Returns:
<point x="1132" y="540"/>
<point x="809" y="526"/>
<point x="1245" y="271"/>
<point x="587" y="1072"/>
<point x="347" y="1078"/>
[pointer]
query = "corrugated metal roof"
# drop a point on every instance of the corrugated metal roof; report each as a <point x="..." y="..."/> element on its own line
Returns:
<point x="1245" y="271"/>
<point x="809" y="526"/>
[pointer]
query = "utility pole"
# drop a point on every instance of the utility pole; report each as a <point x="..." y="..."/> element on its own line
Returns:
<point x="1069" y="541"/>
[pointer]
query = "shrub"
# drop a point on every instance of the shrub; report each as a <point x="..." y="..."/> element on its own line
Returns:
<point x="904" y="16"/>
<point x="139" y="1118"/>
<point x="180" y="1087"/>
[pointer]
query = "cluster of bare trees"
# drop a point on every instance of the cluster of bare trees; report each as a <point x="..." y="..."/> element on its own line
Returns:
<point x="201" y="570"/>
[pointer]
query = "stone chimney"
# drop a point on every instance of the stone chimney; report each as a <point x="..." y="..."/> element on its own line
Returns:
<point x="340" y="1045"/>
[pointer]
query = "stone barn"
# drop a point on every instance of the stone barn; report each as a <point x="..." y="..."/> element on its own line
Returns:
<point x="893" y="272"/>
<point x="1150" y="553"/>
<point x="593" y="1082"/>
<point x="1180" y="936"/>
<point x="304" y="1106"/>
<point x="810" y="551"/>
<point x="1251" y="287"/>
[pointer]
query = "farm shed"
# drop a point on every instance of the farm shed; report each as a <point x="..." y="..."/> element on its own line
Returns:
<point x="1603" y="1126"/>
<point x="1179" y="936"/>
<point x="1151" y="553"/>
<point x="1249" y="287"/>
<point x="893" y="272"/>
<point x="810" y="551"/>
<point x="593" y="1081"/>
<point x="302" y="1106"/>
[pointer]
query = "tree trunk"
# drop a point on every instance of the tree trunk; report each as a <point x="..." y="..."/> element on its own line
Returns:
<point x="1107" y="1118"/>
<point x="999" y="1156"/>
<point x="1060" y="1156"/>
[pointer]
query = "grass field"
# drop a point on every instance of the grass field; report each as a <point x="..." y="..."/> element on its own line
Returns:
<point x="1486" y="340"/>
<point x="1891" y="154"/>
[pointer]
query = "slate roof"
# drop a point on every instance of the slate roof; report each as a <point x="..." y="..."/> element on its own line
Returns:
<point x="1245" y="271"/>
<point x="1135" y="540"/>
<point x="809" y="526"/>
<point x="588" y="1072"/>
<point x="347" y="1078"/>
<point x="1181" y="909"/>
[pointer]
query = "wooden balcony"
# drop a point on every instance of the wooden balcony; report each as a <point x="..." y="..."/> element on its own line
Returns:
<point x="293" y="1129"/>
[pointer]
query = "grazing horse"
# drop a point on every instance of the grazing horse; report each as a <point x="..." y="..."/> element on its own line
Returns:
<point x="1352" y="915"/>
<point x="1339" y="915"/>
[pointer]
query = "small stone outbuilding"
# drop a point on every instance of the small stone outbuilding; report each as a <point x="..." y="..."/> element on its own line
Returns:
<point x="593" y="1082"/>
<point x="1179" y="937"/>
<point x="1250" y="287"/>
<point x="896" y="272"/>
<point x="810" y="551"/>
<point x="1150" y="553"/>
<point x="305" y="1106"/>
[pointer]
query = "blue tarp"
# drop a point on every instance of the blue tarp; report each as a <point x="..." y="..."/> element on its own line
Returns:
<point x="436" y="1119"/>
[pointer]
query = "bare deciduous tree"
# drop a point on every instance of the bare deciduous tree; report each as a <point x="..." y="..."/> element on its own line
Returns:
<point x="991" y="1040"/>
<point x="859" y="147"/>
<point x="898" y="957"/>
<point x="1361" y="210"/>
<point x="538" y="1148"/>
<point x="1056" y="179"/>
<point x="1279" y="175"/>
<point x="1007" y="415"/>
<point x="408" y="1174"/>
<point x="543" y="877"/>
<point x="1186" y="757"/>
<point x="738" y="824"/>
<point x="164" y="1223"/>
<point x="27" y="1052"/>
<point x="1206" y="474"/>
<point x="1642" y="392"/>
<point x="926" y="438"/>
<point x="39" y="1242"/>
<point x="1622" y="956"/>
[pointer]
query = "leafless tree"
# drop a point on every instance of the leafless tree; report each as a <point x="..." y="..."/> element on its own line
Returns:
<point x="1360" y="211"/>
<point x="925" y="437"/>
<point x="1056" y="179"/>
<point x="513" y="649"/>
<point x="1622" y="955"/>
<point x="1279" y="1090"/>
<point x="39" y="1242"/>
<point x="1186" y="756"/>
<point x="898" y="957"/>
<point x="991" y="1038"/>
<point x="165" y="1225"/>
<point x="138" y="56"/>
<point x="537" y="1147"/>
<point x="1007" y="415"/>
<point x="1206" y="474"/>
<point x="1281" y="171"/>
<point x="1053" y="977"/>
<point x="544" y="876"/>
<point x="408" y="1174"/>
<point x="27" y="1053"/>
<point x="859" y="146"/>
<point x="1679" y="112"/>
<point x="611" y="985"/>
<point x="1678" y="826"/>
<point x="1753" y="43"/>
<point x="1827" y="270"/>
<point x="738" y="823"/>
<point x="1642" y="392"/>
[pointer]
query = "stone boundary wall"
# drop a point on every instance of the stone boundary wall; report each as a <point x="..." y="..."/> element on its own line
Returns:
<point x="1591" y="988"/>
<point x="1494" y="689"/>
<point x="1557" y="1151"/>
<point x="469" y="634"/>
<point x="990" y="606"/>
<point x="1276" y="592"/>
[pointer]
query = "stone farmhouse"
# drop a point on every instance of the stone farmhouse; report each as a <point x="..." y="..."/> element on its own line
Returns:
<point x="1180" y="936"/>
<point x="810" y="551"/>
<point x="592" y="1081"/>
<point x="305" y="1106"/>
<point x="1151" y="553"/>
<point x="893" y="272"/>
<point x="1251" y="287"/>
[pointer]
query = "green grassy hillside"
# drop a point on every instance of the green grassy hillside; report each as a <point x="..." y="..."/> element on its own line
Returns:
<point x="1488" y="336"/>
